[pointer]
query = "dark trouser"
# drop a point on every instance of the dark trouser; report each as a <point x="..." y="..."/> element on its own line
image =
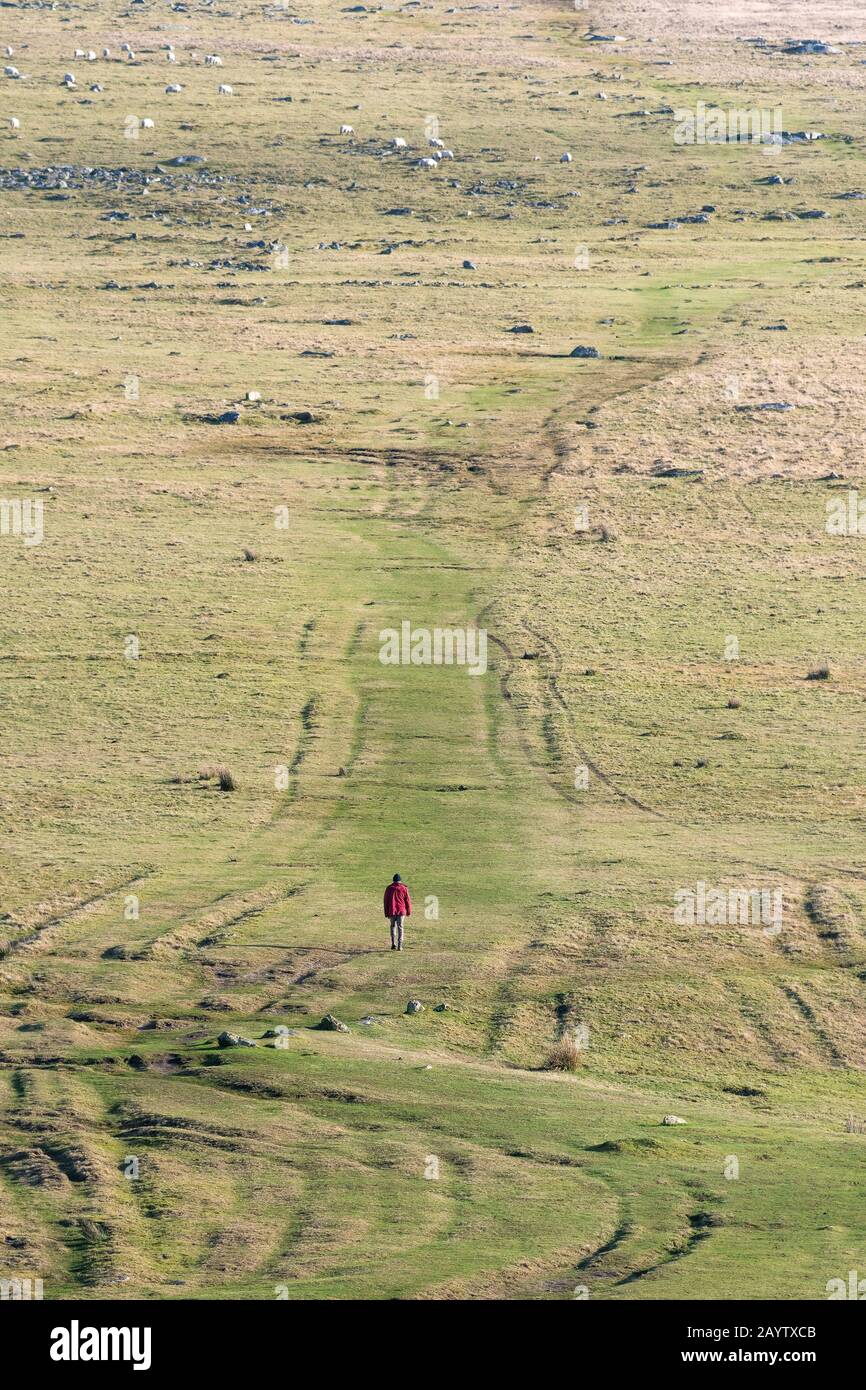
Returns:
<point x="397" y="931"/>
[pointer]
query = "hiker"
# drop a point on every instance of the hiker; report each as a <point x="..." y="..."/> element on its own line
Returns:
<point x="398" y="905"/>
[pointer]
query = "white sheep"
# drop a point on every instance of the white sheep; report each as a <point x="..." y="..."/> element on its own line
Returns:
<point x="347" y="130"/>
<point x="7" y="52"/>
<point x="125" y="48"/>
<point x="426" y="163"/>
<point x="224" y="90"/>
<point x="69" y="79"/>
<point x="11" y="72"/>
<point x="170" y="58"/>
<point x="436" y="142"/>
<point x="173" y="87"/>
<point x="14" y="123"/>
<point x="565" y="158"/>
<point x="398" y="142"/>
<point x="447" y="154"/>
<point x="146" y="123"/>
<point x="78" y="53"/>
<point x="212" y="60"/>
<point x="106" y="52"/>
<point x="91" y="56"/>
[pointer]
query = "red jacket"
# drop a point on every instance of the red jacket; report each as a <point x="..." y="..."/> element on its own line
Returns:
<point x="397" y="900"/>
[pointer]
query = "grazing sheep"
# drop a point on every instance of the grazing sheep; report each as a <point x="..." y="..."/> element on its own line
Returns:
<point x="96" y="87"/>
<point x="91" y="56"/>
<point x="14" y="123"/>
<point x="426" y="163"/>
<point x="225" y="90"/>
<point x="347" y="130"/>
<point x="130" y="55"/>
<point x="69" y="79"/>
<point x="7" y="52"/>
<point x="78" y="53"/>
<point x="125" y="48"/>
<point x="212" y="60"/>
<point x="436" y="142"/>
<point x="106" y="52"/>
<point x="170" y="57"/>
<point x="447" y="154"/>
<point x="146" y="123"/>
<point x="173" y="87"/>
<point x="11" y="72"/>
<point x="398" y="142"/>
<point x="565" y="158"/>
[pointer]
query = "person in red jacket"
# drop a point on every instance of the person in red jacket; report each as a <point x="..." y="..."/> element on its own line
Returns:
<point x="398" y="905"/>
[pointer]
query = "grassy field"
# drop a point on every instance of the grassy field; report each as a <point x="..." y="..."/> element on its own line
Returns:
<point x="645" y="546"/>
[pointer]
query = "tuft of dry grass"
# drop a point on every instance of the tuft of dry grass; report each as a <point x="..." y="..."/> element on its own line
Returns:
<point x="565" y="1055"/>
<point x="219" y="771"/>
<point x="734" y="703"/>
<point x="819" y="673"/>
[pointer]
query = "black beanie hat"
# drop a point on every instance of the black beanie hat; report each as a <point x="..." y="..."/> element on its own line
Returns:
<point x="397" y="879"/>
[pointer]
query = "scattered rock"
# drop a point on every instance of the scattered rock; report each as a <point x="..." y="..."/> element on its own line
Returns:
<point x="810" y="46"/>
<point x="234" y="1040"/>
<point x="584" y="352"/>
<point x="330" y="1024"/>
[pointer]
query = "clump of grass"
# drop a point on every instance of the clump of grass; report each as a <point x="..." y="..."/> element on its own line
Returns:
<point x="563" y="1056"/>
<point x="819" y="673"/>
<point x="222" y="774"/>
<point x="734" y="703"/>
